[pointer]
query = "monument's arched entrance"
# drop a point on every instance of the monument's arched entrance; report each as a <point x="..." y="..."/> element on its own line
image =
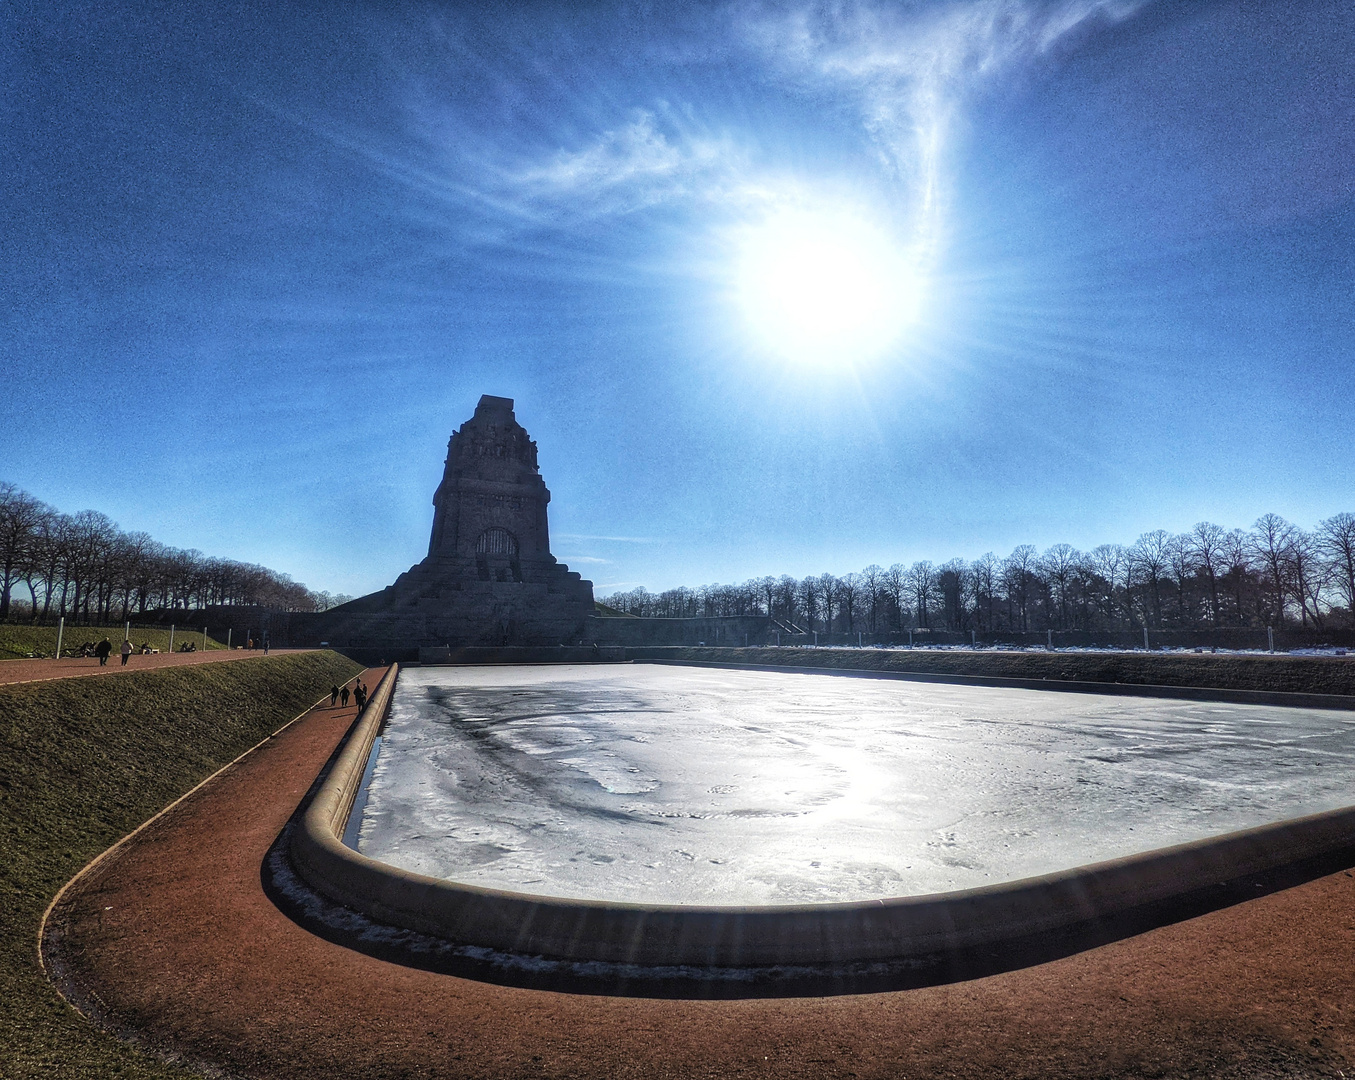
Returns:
<point x="496" y="556"/>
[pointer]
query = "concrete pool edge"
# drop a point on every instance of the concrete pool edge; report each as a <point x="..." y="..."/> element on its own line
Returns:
<point x="1010" y="923"/>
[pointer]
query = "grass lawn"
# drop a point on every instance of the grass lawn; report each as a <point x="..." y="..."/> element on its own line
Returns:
<point x="82" y="763"/>
<point x="18" y="642"/>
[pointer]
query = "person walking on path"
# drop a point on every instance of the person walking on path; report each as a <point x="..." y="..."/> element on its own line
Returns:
<point x="343" y="696"/>
<point x="333" y="695"/>
<point x="102" y="650"/>
<point x="126" y="651"/>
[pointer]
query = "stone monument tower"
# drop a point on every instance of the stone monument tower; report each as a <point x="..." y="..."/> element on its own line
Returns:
<point x="489" y="578"/>
<point x="490" y="509"/>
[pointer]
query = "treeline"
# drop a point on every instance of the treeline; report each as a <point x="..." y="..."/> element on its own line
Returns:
<point x="1274" y="574"/>
<point x="83" y="567"/>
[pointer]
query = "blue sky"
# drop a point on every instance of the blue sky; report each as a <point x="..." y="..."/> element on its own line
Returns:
<point x="259" y="262"/>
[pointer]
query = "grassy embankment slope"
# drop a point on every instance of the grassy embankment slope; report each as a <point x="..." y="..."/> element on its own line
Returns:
<point x="1290" y="674"/>
<point x="82" y="763"/>
<point x="18" y="642"/>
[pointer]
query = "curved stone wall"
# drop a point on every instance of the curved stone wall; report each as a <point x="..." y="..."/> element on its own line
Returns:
<point x="1088" y="904"/>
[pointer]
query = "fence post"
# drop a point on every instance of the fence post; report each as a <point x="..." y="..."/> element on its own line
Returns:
<point x="910" y="637"/>
<point x="858" y="639"/>
<point x="60" y="630"/>
<point x="1145" y="639"/>
<point x="229" y="631"/>
<point x="204" y="639"/>
<point x="171" y="638"/>
<point x="816" y="639"/>
<point x="1050" y="641"/>
<point x="1270" y="637"/>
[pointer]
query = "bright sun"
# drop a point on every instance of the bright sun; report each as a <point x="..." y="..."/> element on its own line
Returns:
<point x="824" y="288"/>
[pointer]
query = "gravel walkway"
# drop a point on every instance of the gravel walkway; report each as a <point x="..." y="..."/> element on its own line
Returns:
<point x="173" y="940"/>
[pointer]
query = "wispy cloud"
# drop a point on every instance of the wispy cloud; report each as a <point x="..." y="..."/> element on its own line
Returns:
<point x="590" y="559"/>
<point x="934" y="48"/>
<point x="610" y="539"/>
<point x="646" y="160"/>
<point x="906" y="67"/>
<point x="909" y="67"/>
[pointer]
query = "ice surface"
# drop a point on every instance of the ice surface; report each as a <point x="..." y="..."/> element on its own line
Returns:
<point x="682" y="785"/>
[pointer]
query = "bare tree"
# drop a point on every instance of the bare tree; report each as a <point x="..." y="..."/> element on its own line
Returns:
<point x="1181" y="562"/>
<point x="49" y="559"/>
<point x="952" y="586"/>
<point x="1217" y="576"/>
<point x="1150" y="560"/>
<point x="828" y="590"/>
<point x="896" y="587"/>
<point x="872" y="586"/>
<point x="88" y="567"/>
<point x="983" y="580"/>
<point x="20" y="516"/>
<point x="1270" y="541"/>
<point x="1209" y="549"/>
<point x="90" y="537"/>
<point x="848" y="598"/>
<point x="1308" y="575"/>
<point x="1059" y="564"/>
<point x="1337" y="538"/>
<point x="767" y="593"/>
<point x="1237" y="559"/>
<point x="1018" y="570"/>
<point x="921" y="580"/>
<point x="1111" y="562"/>
<point x="810" y="598"/>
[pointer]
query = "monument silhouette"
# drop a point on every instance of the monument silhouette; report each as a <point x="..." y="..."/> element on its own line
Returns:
<point x="489" y="577"/>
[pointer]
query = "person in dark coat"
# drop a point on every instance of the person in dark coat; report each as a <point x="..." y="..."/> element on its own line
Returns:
<point x="102" y="650"/>
<point x="343" y="696"/>
<point x="333" y="695"/>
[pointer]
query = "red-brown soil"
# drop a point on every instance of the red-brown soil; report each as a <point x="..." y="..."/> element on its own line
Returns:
<point x="173" y="941"/>
<point x="70" y="667"/>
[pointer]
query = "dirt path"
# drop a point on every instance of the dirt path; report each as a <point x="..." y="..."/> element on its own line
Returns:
<point x="174" y="938"/>
<point x="19" y="671"/>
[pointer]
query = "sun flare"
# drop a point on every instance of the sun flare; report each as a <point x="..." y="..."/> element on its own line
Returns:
<point x="824" y="288"/>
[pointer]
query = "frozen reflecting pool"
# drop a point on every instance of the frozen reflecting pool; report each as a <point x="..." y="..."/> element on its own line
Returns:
<point x="678" y="785"/>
